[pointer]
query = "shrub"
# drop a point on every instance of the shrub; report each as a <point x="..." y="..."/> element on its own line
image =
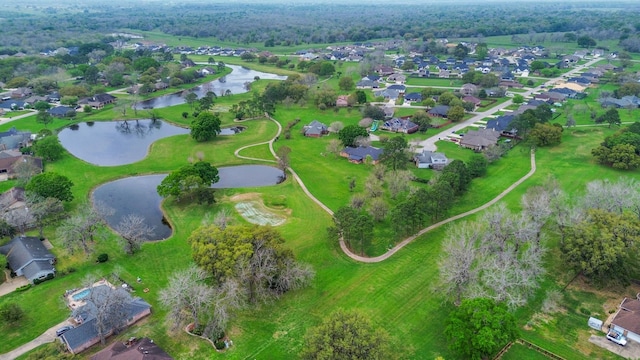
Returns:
<point x="11" y="313"/>
<point x="23" y="287"/>
<point x="219" y="344"/>
<point x="103" y="258"/>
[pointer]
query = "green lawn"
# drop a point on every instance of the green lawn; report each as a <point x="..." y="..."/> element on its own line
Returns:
<point x="520" y="352"/>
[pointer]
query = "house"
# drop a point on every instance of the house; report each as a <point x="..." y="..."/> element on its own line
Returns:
<point x="98" y="101"/>
<point x="60" y="111"/>
<point x="413" y="97"/>
<point x="315" y="129"/>
<point x="358" y="155"/>
<point x="134" y="349"/>
<point x="188" y="63"/>
<point x="400" y="125"/>
<point x="388" y="94"/>
<point x="480" y="139"/>
<point x="502" y="125"/>
<point x="627" y="319"/>
<point x="9" y="159"/>
<point x="342" y="101"/>
<point x="27" y="256"/>
<point x="384" y="70"/>
<point x="626" y="102"/>
<point x="439" y="111"/>
<point x="430" y="160"/>
<point x="397" y="78"/>
<point x="472" y="99"/>
<point x="207" y="71"/>
<point x="86" y="334"/>
<point x="367" y="84"/>
<point x="21" y="92"/>
<point x="400" y="88"/>
<point x="14" y="139"/>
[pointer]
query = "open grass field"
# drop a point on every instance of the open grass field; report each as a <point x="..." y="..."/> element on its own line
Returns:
<point x="397" y="294"/>
<point x="519" y="352"/>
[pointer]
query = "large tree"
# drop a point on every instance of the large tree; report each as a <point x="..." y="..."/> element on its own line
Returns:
<point x="188" y="180"/>
<point x="205" y="127"/>
<point x="51" y="184"/>
<point x="396" y="153"/>
<point x="134" y="232"/>
<point x="545" y="134"/>
<point x="347" y="335"/>
<point x="479" y="328"/>
<point x="84" y="227"/>
<point x="350" y="133"/>
<point x="49" y="148"/>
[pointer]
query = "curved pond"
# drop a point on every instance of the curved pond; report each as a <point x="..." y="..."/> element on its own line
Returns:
<point x="138" y="195"/>
<point x="114" y="143"/>
<point x="233" y="83"/>
<point x="135" y="195"/>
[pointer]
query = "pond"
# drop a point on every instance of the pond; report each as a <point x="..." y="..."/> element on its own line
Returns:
<point x="138" y="196"/>
<point x="248" y="176"/>
<point x="114" y="143"/>
<point x="233" y="83"/>
<point x="231" y="130"/>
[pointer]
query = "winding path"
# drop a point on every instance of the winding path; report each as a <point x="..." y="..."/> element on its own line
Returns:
<point x="404" y="242"/>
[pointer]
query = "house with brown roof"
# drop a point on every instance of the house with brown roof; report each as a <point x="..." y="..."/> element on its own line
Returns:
<point x="627" y="319"/>
<point x="98" y="101"/>
<point x="469" y="89"/>
<point x="9" y="159"/>
<point x="480" y="139"/>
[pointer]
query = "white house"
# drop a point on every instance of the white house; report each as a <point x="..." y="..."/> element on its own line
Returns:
<point x="627" y="319"/>
<point x="431" y="160"/>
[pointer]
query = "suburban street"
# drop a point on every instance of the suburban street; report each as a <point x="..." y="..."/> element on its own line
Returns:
<point x="430" y="143"/>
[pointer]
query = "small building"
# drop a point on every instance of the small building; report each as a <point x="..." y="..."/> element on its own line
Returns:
<point x="134" y="349"/>
<point x="431" y="160"/>
<point x="400" y="125"/>
<point x="627" y="319"/>
<point x="315" y="129"/>
<point x="27" y="256"/>
<point x="358" y="155"/>
<point x="439" y="111"/>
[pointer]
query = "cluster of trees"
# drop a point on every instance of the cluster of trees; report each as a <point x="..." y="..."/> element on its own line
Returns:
<point x="205" y="126"/>
<point x="237" y="266"/>
<point x="620" y="150"/>
<point x="526" y="121"/>
<point x="191" y="182"/>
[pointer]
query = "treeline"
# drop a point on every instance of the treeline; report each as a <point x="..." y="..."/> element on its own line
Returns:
<point x="289" y="24"/>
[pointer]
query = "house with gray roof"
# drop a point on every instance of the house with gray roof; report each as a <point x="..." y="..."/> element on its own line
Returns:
<point x="358" y="155"/>
<point x="480" y="139"/>
<point x="430" y="160"/>
<point x="14" y="139"/>
<point x="27" y="256"/>
<point x="405" y="126"/>
<point x="86" y="334"/>
<point x="136" y="349"/>
<point x="624" y="102"/>
<point x="315" y="129"/>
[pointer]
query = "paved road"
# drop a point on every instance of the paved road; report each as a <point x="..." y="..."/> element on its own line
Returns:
<point x="430" y="143"/>
<point x="47" y="337"/>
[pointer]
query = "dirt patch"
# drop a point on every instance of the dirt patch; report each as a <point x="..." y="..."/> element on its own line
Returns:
<point x="245" y="197"/>
<point x="256" y="213"/>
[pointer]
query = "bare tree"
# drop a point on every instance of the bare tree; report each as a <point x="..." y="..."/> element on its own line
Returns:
<point x="82" y="228"/>
<point x="378" y="208"/>
<point x="336" y="126"/>
<point x="25" y="170"/>
<point x="109" y="308"/>
<point x="398" y="181"/>
<point x="222" y="219"/>
<point x="363" y="141"/>
<point x="358" y="201"/>
<point x="134" y="232"/>
<point x="611" y="196"/>
<point x="187" y="297"/>
<point x="44" y="211"/>
<point x="457" y="271"/>
<point x="334" y="146"/>
<point x="373" y="186"/>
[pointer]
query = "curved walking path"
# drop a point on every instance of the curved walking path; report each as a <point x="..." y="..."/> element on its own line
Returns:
<point x="406" y="241"/>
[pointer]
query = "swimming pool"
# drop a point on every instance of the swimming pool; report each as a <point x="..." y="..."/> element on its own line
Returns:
<point x="81" y="295"/>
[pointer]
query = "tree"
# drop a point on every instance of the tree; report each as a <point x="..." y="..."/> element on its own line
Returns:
<point x="395" y="154"/>
<point x="51" y="184"/>
<point x="350" y="133"/>
<point x="346" y="83"/>
<point x="611" y="116"/>
<point x="334" y="146"/>
<point x="283" y="157"/>
<point x="398" y="182"/>
<point x="518" y="99"/>
<point x="44" y="117"/>
<point x="457" y="175"/>
<point x="621" y="156"/>
<point x="45" y="211"/>
<point x="586" y="42"/>
<point x="48" y="148"/>
<point x="455" y="113"/>
<point x="477" y="166"/>
<point x="537" y="65"/>
<point x="458" y="270"/>
<point x="446" y="98"/>
<point x="25" y="170"/>
<point x="108" y="306"/>
<point x="422" y="119"/>
<point x="84" y="227"/>
<point x="186" y="181"/>
<point x="361" y="96"/>
<point x="205" y="127"/>
<point x="374" y="112"/>
<point x="479" y="328"/>
<point x="545" y="135"/>
<point x="190" y="99"/>
<point x="347" y="335"/>
<point x="134" y="232"/>
<point x="460" y="52"/>
<point x="11" y="313"/>
<point x="601" y="246"/>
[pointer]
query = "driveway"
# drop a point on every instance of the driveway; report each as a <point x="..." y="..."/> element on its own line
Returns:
<point x="11" y="284"/>
<point x="629" y="351"/>
<point x="47" y="337"/>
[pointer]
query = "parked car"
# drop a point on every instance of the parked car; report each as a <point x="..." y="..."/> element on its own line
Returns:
<point x="617" y="337"/>
<point x="63" y="330"/>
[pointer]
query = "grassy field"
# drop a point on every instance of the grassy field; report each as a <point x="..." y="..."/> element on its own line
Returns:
<point x="519" y="352"/>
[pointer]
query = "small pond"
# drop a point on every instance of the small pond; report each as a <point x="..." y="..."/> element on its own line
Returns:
<point x="231" y="130"/>
<point x="233" y="83"/>
<point x="135" y="195"/>
<point x="248" y="176"/>
<point x="114" y="143"/>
